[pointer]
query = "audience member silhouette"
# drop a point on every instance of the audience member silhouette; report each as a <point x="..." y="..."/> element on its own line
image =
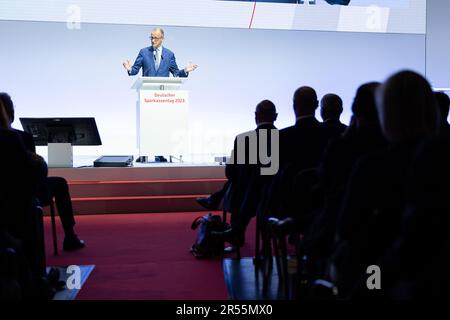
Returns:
<point x="245" y="180"/>
<point x="50" y="187"/>
<point x="303" y="143"/>
<point x="416" y="265"/>
<point x="371" y="211"/>
<point x="20" y="221"/>
<point x="330" y="110"/>
<point x="213" y="201"/>
<point x="301" y="148"/>
<point x="362" y="137"/>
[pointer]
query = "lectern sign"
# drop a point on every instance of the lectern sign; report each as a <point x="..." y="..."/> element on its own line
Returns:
<point x="166" y="97"/>
<point x="162" y="117"/>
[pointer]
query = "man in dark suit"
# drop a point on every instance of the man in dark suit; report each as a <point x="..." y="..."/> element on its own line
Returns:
<point x="301" y="148"/>
<point x="49" y="187"/>
<point x="20" y="223"/>
<point x="370" y="215"/>
<point x="330" y="111"/>
<point x="245" y="180"/>
<point x="302" y="144"/>
<point x="265" y="116"/>
<point x="157" y="61"/>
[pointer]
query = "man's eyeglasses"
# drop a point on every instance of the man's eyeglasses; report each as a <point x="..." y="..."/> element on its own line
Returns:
<point x="155" y="38"/>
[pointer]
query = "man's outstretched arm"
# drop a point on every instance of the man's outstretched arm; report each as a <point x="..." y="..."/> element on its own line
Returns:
<point x="173" y="68"/>
<point x="132" y="70"/>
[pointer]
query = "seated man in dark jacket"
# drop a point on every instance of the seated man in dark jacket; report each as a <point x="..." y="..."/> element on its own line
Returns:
<point x="245" y="178"/>
<point x="21" y="237"/>
<point x="50" y="187"/>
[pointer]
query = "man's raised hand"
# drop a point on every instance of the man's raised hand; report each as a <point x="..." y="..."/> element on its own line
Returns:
<point x="190" y="67"/>
<point x="127" y="65"/>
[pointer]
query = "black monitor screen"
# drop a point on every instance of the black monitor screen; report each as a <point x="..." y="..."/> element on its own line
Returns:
<point x="77" y="131"/>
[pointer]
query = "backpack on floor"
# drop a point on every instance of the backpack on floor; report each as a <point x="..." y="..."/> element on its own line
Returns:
<point x="206" y="246"/>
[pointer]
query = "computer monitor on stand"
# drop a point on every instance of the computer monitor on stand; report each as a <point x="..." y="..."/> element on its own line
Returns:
<point x="60" y="134"/>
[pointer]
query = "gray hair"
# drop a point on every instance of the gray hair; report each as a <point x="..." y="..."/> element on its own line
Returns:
<point x="160" y="30"/>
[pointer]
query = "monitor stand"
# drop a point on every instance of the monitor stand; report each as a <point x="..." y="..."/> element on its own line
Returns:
<point x="60" y="155"/>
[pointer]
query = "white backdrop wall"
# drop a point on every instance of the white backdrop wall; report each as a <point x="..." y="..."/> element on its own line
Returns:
<point x="52" y="71"/>
<point x="438" y="45"/>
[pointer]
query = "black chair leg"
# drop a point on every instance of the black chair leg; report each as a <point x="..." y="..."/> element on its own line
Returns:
<point x="284" y="267"/>
<point x="256" y="260"/>
<point x="52" y="217"/>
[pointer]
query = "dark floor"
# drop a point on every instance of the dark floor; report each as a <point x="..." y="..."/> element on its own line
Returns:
<point x="245" y="283"/>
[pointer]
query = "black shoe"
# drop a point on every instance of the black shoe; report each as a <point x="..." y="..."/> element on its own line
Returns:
<point x="72" y="243"/>
<point x="208" y="203"/>
<point x="230" y="249"/>
<point x="229" y="236"/>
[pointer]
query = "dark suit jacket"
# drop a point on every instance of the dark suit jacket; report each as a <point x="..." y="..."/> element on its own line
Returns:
<point x="301" y="147"/>
<point x="303" y="143"/>
<point x="372" y="209"/>
<point x="335" y="168"/>
<point x="246" y="180"/>
<point x="27" y="140"/>
<point x="421" y="249"/>
<point x="17" y="182"/>
<point x="342" y="153"/>
<point x="20" y="174"/>
<point x="445" y="130"/>
<point x="335" y="127"/>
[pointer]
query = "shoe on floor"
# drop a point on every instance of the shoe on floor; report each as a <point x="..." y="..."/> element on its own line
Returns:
<point x="72" y="243"/>
<point x="229" y="236"/>
<point x="230" y="249"/>
<point x="208" y="203"/>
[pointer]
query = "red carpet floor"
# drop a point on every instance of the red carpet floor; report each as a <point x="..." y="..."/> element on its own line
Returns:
<point x="142" y="256"/>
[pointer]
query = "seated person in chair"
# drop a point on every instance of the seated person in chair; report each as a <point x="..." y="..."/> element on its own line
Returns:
<point x="263" y="119"/>
<point x="49" y="187"/>
<point x="242" y="190"/>
<point x="21" y="238"/>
